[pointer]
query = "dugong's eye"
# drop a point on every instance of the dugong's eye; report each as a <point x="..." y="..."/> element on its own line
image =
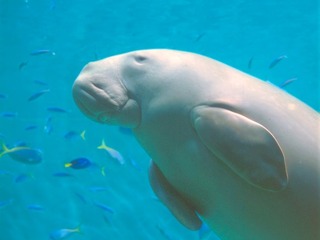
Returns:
<point x="140" y="58"/>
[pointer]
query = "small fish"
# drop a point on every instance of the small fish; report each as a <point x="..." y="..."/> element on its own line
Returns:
<point x="48" y="125"/>
<point x="63" y="233"/>
<point x="250" y="63"/>
<point x="22" y="65"/>
<point x="52" y="4"/>
<point x="98" y="189"/>
<point x="83" y="200"/>
<point x="5" y="172"/>
<point x="83" y="135"/>
<point x="38" y="94"/>
<point x="22" y="177"/>
<point x="62" y="174"/>
<point x="73" y="134"/>
<point x="106" y="219"/>
<point x="287" y="82"/>
<point x="70" y="135"/>
<point x="3" y="96"/>
<point x="277" y="60"/>
<point x="31" y="127"/>
<point x="27" y="156"/>
<point x="135" y="164"/>
<point x="113" y="153"/>
<point x="35" y="207"/>
<point x="96" y="57"/>
<point x="6" y="203"/>
<point x="22" y="153"/>
<point x="78" y="163"/>
<point x="201" y="35"/>
<point x="8" y="114"/>
<point x="103" y="171"/>
<point x="41" y="52"/>
<point x="42" y="83"/>
<point x="104" y="207"/>
<point x="56" y="109"/>
<point x="6" y="150"/>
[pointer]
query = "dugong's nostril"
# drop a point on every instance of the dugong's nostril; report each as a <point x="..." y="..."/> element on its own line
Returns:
<point x="140" y="58"/>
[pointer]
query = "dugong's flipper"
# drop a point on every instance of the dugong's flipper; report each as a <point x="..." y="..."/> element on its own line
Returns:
<point x="246" y="146"/>
<point x="179" y="207"/>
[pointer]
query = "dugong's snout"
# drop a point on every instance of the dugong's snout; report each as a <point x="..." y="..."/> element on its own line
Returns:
<point x="102" y="97"/>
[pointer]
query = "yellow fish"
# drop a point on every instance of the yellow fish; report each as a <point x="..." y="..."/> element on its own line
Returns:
<point x="6" y="150"/>
<point x="83" y="135"/>
<point x="22" y="153"/>
<point x="63" y="233"/>
<point x="112" y="152"/>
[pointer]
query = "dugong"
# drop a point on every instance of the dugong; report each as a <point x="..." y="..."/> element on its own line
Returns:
<point x="226" y="148"/>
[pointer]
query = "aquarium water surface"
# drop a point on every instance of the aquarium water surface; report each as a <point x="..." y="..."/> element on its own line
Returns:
<point x="64" y="176"/>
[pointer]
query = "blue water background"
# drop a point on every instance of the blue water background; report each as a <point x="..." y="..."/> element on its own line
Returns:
<point x="77" y="32"/>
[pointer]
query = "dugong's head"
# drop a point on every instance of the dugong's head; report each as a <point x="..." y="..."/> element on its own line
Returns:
<point x="116" y="90"/>
<point x="113" y="89"/>
<point x="100" y="92"/>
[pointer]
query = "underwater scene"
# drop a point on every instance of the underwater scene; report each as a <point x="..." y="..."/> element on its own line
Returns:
<point x="65" y="176"/>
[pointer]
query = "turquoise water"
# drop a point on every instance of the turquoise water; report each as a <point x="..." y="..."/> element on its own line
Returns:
<point x="34" y="202"/>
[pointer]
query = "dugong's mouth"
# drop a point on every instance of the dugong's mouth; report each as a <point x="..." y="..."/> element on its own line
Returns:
<point x="97" y="103"/>
<point x="101" y="96"/>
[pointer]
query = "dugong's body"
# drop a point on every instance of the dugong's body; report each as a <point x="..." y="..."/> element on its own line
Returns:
<point x="237" y="151"/>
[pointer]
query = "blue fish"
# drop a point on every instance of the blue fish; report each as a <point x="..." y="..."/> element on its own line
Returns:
<point x="104" y="207"/>
<point x="41" y="52"/>
<point x="200" y="36"/>
<point x="78" y="163"/>
<point x="98" y="189"/>
<point x="5" y="172"/>
<point x="22" y="177"/>
<point x="8" y="114"/>
<point x="83" y="200"/>
<point x="38" y="94"/>
<point x="287" y="82"/>
<point x="52" y="4"/>
<point x="135" y="164"/>
<point x="22" y="65"/>
<point x="22" y="153"/>
<point x="73" y="134"/>
<point x="56" y="109"/>
<point x="63" y="233"/>
<point x="42" y="83"/>
<point x="6" y="203"/>
<point x="250" y="63"/>
<point x="277" y="60"/>
<point x="62" y="174"/>
<point x="31" y="127"/>
<point x="3" y="96"/>
<point x="48" y="125"/>
<point x="70" y="134"/>
<point x="35" y="207"/>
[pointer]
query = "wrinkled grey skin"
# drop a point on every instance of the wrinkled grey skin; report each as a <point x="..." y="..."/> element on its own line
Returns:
<point x="236" y="151"/>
